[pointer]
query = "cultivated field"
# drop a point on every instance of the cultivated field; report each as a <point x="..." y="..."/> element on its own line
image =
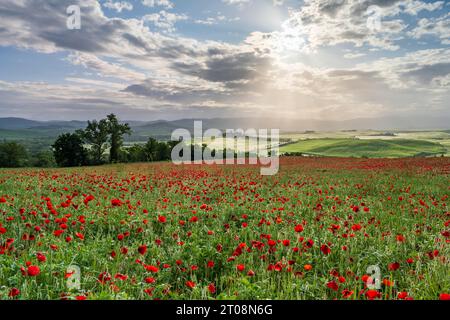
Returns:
<point x="151" y="231"/>
<point x="371" y="144"/>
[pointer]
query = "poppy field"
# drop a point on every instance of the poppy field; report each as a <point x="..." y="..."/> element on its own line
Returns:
<point x="160" y="231"/>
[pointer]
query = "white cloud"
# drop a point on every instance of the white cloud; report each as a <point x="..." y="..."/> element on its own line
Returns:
<point x="437" y="27"/>
<point x="119" y="6"/>
<point x="236" y="2"/>
<point x="165" y="20"/>
<point x="103" y="68"/>
<point x="158" y="3"/>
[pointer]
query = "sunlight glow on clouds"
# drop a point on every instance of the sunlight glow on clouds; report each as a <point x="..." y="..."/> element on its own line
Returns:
<point x="324" y="61"/>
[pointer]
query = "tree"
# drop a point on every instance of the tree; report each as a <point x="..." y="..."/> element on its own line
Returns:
<point x="96" y="134"/>
<point x="163" y="151"/>
<point x="136" y="153"/>
<point x="151" y="149"/>
<point x="44" y="159"/>
<point x="116" y="131"/>
<point x="69" y="151"/>
<point x="13" y="155"/>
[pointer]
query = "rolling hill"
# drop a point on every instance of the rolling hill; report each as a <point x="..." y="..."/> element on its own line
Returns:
<point x="375" y="148"/>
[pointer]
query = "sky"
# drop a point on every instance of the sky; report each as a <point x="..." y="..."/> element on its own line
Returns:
<point x="174" y="59"/>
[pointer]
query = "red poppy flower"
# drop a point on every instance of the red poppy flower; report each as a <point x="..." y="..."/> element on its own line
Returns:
<point x="120" y="276"/>
<point x="150" y="280"/>
<point x="394" y="266"/>
<point x="79" y="235"/>
<point x="142" y="249"/>
<point x="333" y="285"/>
<point x="299" y="228"/>
<point x="325" y="249"/>
<point x="402" y="295"/>
<point x="149" y="291"/>
<point x="88" y="199"/>
<point x="372" y="294"/>
<point x="190" y="284"/>
<point x="346" y="293"/>
<point x="41" y="257"/>
<point x="14" y="292"/>
<point x="444" y="296"/>
<point x="33" y="271"/>
<point x="116" y="202"/>
<point x="162" y="219"/>
<point x="152" y="269"/>
<point x="365" y="278"/>
<point x="104" y="277"/>
<point x="212" y="288"/>
<point x="388" y="283"/>
<point x="240" y="267"/>
<point x="210" y="264"/>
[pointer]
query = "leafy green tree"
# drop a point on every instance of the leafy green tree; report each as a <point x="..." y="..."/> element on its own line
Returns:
<point x="13" y="155"/>
<point x="69" y="151"/>
<point x="163" y="151"/>
<point x="151" y="149"/>
<point x="96" y="135"/>
<point x="116" y="131"/>
<point x="137" y="153"/>
<point x="44" y="159"/>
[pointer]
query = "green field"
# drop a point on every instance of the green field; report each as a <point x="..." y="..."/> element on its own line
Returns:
<point x="373" y="148"/>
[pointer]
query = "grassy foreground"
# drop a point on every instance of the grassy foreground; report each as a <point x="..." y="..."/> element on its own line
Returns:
<point x="151" y="231"/>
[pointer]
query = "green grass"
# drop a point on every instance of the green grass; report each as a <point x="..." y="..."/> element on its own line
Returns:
<point x="376" y="148"/>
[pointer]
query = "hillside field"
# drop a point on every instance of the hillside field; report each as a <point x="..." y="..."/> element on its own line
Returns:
<point x="370" y="148"/>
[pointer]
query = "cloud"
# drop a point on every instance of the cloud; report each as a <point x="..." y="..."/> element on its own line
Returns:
<point x="158" y="3"/>
<point x="165" y="20"/>
<point x="103" y="68"/>
<point x="141" y="66"/>
<point x="363" y="22"/>
<point x="437" y="27"/>
<point x="119" y="6"/>
<point x="236" y="2"/>
<point x="216" y="20"/>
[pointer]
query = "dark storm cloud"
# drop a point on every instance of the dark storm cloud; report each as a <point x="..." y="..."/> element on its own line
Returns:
<point x="233" y="67"/>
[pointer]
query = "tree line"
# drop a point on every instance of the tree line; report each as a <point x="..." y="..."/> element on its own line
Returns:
<point x="99" y="143"/>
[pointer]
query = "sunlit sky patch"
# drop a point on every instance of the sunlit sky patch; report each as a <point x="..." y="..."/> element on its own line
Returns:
<point x="169" y="59"/>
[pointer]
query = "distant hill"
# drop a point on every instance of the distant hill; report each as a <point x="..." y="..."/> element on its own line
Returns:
<point x="298" y="125"/>
<point x="17" y="123"/>
<point x="40" y="135"/>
